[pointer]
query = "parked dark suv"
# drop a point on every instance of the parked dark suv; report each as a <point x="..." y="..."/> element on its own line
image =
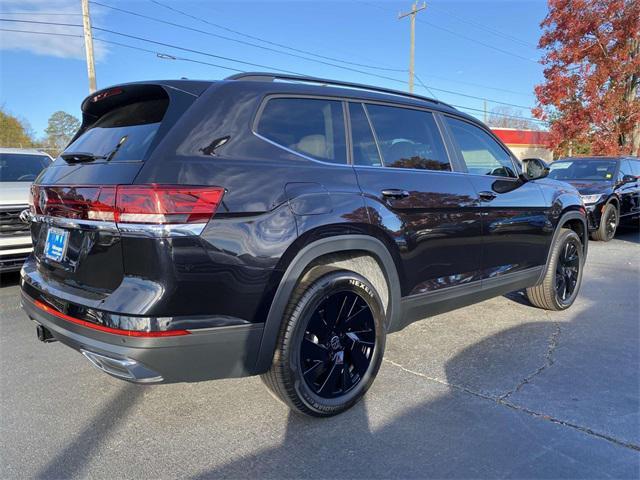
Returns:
<point x="199" y="230"/>
<point x="610" y="189"/>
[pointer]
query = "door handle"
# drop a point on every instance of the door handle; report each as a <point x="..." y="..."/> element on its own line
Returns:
<point x="395" y="193"/>
<point x="487" y="196"/>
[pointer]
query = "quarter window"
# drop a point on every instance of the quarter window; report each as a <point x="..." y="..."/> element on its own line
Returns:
<point x="312" y="127"/>
<point x="481" y="153"/>
<point x="365" y="151"/>
<point x="408" y="138"/>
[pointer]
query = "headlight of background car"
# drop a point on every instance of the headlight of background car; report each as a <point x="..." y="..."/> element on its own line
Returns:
<point x="589" y="199"/>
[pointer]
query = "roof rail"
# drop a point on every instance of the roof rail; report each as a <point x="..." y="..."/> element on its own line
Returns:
<point x="270" y="77"/>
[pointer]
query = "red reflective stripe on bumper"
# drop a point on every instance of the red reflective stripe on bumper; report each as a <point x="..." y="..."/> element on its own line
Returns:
<point x="115" y="331"/>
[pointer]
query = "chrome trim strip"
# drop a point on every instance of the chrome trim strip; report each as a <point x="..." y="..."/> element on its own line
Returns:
<point x="93" y="225"/>
<point x="18" y="206"/>
<point x="126" y="229"/>
<point x="152" y="230"/>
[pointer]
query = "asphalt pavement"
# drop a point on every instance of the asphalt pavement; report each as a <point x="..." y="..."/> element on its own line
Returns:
<point x="496" y="390"/>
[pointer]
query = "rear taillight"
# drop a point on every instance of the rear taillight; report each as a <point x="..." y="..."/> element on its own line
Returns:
<point x="161" y="204"/>
<point x="148" y="204"/>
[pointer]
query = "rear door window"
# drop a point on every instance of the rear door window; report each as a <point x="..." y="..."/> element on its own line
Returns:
<point x="124" y="133"/>
<point x="408" y="138"/>
<point x="481" y="153"/>
<point x="312" y="127"/>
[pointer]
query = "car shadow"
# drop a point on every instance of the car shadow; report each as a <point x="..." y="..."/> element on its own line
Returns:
<point x="628" y="234"/>
<point x="458" y="431"/>
<point x="442" y="428"/>
<point x="71" y="461"/>
<point x="9" y="279"/>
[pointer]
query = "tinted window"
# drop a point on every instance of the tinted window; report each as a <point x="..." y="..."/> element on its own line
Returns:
<point x="408" y="138"/>
<point x="365" y="151"/>
<point x="583" y="170"/>
<point x="625" y="169"/>
<point x="309" y="126"/>
<point x="635" y="167"/>
<point x="17" y="167"/>
<point x="131" y="126"/>
<point x="481" y="153"/>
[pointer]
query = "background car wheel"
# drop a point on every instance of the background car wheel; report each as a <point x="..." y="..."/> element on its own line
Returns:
<point x="330" y="345"/>
<point x="608" y="224"/>
<point x="563" y="277"/>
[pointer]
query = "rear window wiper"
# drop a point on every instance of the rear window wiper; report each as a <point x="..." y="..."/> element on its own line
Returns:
<point x="79" y="157"/>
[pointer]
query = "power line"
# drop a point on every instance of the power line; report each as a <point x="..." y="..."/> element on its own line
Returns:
<point x="42" y="13"/>
<point x="462" y="82"/>
<point x="200" y="52"/>
<point x="57" y="34"/>
<point x="163" y="55"/>
<point x="243" y="42"/>
<point x="318" y="55"/>
<point x="230" y="59"/>
<point x="519" y="117"/>
<point x="484" y="27"/>
<point x="269" y="42"/>
<point x="452" y="32"/>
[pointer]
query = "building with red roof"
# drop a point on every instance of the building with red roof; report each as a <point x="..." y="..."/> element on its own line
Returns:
<point x="525" y="143"/>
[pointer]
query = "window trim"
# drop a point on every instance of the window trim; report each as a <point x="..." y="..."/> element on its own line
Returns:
<point x="263" y="103"/>
<point x="374" y="134"/>
<point x="458" y="151"/>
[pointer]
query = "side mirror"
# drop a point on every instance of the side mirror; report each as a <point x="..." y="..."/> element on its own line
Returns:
<point x="628" y="179"/>
<point x="535" y="168"/>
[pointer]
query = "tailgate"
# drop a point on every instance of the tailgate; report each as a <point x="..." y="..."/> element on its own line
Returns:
<point x="75" y="236"/>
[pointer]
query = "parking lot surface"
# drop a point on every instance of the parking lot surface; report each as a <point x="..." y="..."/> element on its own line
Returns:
<point x="498" y="389"/>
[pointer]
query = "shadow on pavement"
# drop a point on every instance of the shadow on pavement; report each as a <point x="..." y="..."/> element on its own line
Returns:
<point x="9" y="279"/>
<point x="628" y="234"/>
<point x="459" y="432"/>
<point x="73" y="459"/>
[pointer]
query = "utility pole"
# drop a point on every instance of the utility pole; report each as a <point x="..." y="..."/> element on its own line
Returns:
<point x="88" y="45"/>
<point x="414" y="11"/>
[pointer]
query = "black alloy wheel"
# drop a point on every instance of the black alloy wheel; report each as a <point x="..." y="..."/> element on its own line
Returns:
<point x="330" y="345"/>
<point x="338" y="344"/>
<point x="611" y="222"/>
<point x="560" y="285"/>
<point x="567" y="270"/>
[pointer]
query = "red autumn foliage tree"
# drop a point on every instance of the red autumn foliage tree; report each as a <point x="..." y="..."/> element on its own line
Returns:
<point x="592" y="75"/>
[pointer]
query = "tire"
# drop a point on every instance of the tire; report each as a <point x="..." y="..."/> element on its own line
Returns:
<point x="564" y="268"/>
<point x="319" y="369"/>
<point x="608" y="224"/>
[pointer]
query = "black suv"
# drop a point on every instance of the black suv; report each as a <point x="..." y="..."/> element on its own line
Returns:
<point x="610" y="189"/>
<point x="283" y="226"/>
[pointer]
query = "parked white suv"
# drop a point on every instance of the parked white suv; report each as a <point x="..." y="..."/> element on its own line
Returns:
<point x="18" y="169"/>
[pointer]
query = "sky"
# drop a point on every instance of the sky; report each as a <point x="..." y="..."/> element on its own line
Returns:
<point x="464" y="48"/>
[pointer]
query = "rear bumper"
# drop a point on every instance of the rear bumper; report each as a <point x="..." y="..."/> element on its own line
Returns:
<point x="203" y="354"/>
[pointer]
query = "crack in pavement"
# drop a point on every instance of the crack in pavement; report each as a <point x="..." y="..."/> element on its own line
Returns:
<point x="548" y="361"/>
<point x="502" y="401"/>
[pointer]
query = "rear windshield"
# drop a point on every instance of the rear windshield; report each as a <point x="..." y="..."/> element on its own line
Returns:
<point x="18" y="167"/>
<point x="583" y="170"/>
<point x="124" y="133"/>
